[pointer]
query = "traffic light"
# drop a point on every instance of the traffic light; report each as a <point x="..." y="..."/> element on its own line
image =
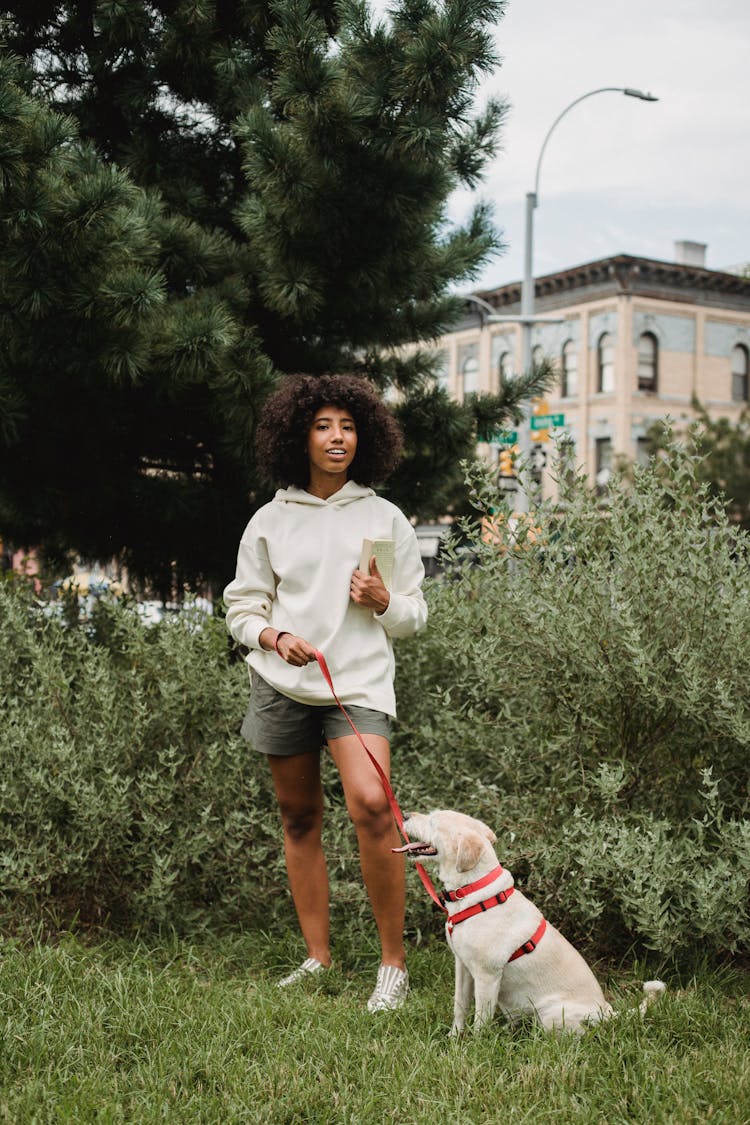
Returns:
<point x="537" y="461"/>
<point x="505" y="461"/>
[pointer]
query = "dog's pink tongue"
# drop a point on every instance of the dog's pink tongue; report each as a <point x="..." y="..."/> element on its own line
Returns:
<point x="412" y="846"/>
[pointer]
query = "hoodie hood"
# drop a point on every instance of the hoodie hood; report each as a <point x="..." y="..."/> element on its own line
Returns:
<point x="347" y="494"/>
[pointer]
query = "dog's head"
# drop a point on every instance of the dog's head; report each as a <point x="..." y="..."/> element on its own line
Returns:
<point x="458" y="843"/>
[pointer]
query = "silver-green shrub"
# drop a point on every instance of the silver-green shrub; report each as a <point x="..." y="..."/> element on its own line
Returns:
<point x="584" y="687"/>
<point x="127" y="797"/>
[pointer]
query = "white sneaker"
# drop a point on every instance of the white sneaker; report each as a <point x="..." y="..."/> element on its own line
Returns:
<point x="306" y="969"/>
<point x="391" y="989"/>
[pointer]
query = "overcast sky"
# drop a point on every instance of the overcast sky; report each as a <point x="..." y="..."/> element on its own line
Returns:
<point x="621" y="175"/>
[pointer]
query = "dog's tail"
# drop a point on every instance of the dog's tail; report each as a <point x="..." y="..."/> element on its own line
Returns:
<point x="652" y="991"/>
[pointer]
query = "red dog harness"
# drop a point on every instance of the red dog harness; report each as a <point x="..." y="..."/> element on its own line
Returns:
<point x="530" y="945"/>
<point x="487" y="904"/>
<point x="479" y="908"/>
<point x="464" y="892"/>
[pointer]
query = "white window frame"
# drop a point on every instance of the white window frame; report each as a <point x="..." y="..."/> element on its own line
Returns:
<point x="507" y="367"/>
<point x="605" y="367"/>
<point x="569" y="385"/>
<point x="469" y="369"/>
<point x="603" y="461"/>
<point x="648" y="362"/>
<point x="740" y="362"/>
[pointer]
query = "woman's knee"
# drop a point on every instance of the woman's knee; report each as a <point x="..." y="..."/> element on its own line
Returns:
<point x="301" y="822"/>
<point x="371" y="813"/>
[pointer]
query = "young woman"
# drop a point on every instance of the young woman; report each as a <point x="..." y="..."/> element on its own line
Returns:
<point x="298" y="588"/>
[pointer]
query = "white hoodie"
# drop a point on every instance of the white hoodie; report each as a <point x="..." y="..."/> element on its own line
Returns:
<point x="294" y="567"/>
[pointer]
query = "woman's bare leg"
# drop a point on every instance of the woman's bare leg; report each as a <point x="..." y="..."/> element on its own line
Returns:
<point x="300" y="797"/>
<point x="368" y="807"/>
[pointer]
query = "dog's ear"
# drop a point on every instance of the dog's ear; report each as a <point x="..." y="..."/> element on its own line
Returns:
<point x="485" y="830"/>
<point x="468" y="851"/>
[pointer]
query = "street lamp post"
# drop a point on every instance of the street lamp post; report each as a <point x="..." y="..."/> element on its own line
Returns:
<point x="532" y="202"/>
<point x="527" y="317"/>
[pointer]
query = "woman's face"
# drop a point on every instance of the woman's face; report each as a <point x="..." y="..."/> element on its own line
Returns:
<point x="331" y="443"/>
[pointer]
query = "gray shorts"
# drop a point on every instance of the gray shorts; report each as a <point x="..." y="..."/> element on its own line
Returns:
<point x="276" y="724"/>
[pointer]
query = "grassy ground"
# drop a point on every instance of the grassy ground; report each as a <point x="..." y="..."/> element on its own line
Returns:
<point x="128" y="1032"/>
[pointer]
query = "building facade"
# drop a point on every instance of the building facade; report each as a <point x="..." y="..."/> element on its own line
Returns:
<point x="635" y="340"/>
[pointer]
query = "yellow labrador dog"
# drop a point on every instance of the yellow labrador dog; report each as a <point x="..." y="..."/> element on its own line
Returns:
<point x="506" y="953"/>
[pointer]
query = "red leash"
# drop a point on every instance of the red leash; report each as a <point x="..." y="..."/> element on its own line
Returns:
<point x="397" y="814"/>
<point x="497" y="900"/>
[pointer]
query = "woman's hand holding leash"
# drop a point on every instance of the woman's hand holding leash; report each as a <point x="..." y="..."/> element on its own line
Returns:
<point x="295" y="650"/>
<point x="291" y="648"/>
<point x="369" y="590"/>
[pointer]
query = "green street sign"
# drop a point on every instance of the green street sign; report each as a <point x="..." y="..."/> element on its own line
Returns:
<point x="546" y="421"/>
<point x="504" y="437"/>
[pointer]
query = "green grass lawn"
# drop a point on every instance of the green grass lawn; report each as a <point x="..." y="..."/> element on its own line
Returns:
<point x="178" y="1032"/>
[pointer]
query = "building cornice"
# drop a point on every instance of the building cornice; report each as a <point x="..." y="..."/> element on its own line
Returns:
<point x="627" y="275"/>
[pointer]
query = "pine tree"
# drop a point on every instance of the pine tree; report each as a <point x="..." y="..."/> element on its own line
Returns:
<point x="249" y="189"/>
<point x="114" y="390"/>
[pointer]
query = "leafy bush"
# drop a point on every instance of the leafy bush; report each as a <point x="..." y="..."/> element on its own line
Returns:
<point x="125" y="793"/>
<point x="127" y="796"/>
<point x="582" y="687"/>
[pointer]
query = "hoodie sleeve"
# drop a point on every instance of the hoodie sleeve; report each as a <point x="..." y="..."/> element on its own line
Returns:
<point x="407" y="610"/>
<point x="250" y="596"/>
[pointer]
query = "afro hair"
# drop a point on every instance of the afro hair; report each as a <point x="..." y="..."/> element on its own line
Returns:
<point x="281" y="438"/>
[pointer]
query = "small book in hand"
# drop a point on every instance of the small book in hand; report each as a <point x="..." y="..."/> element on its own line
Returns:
<point x="383" y="551"/>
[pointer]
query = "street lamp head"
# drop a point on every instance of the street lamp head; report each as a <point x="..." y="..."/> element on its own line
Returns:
<point x="629" y="92"/>
<point x="486" y="310"/>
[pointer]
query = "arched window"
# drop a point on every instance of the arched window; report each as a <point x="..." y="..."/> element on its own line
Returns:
<point x="442" y="368"/>
<point x="507" y="367"/>
<point x="740" y="372"/>
<point x="606" y="364"/>
<point x="648" y="362"/>
<point x="569" y="370"/>
<point x="470" y="374"/>
<point x="468" y="365"/>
